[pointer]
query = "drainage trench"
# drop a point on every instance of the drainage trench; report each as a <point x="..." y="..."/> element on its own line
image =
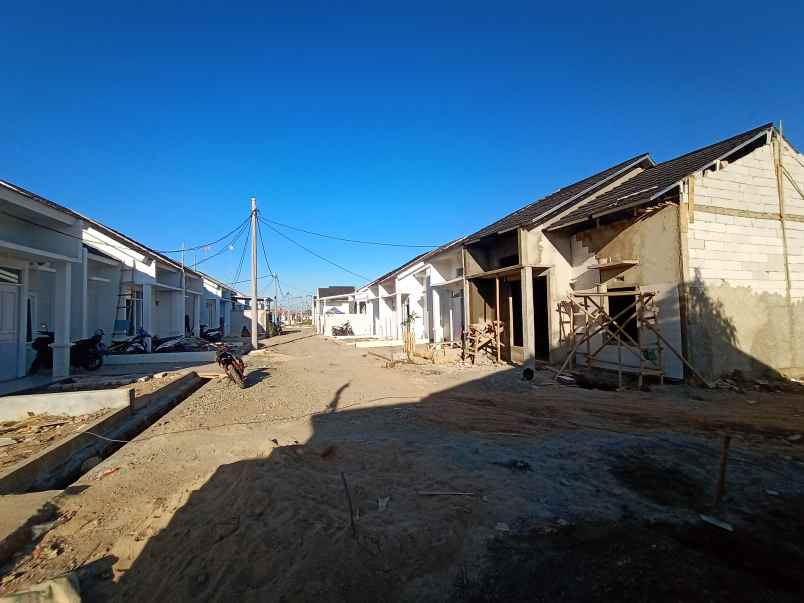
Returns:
<point x="65" y="464"/>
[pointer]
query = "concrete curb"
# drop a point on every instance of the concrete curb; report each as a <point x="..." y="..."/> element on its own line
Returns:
<point x="18" y="407"/>
<point x="60" y="464"/>
<point x="166" y="358"/>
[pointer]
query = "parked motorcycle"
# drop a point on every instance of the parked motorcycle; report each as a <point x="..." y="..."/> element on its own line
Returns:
<point x="136" y="344"/>
<point x="232" y="365"/>
<point x="344" y="329"/>
<point x="84" y="353"/>
<point x="167" y="344"/>
<point x="211" y="334"/>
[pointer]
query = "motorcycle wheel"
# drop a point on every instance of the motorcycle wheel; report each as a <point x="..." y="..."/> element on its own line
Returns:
<point x="92" y="362"/>
<point x="235" y="376"/>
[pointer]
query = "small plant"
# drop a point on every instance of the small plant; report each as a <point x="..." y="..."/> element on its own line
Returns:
<point x="408" y="322"/>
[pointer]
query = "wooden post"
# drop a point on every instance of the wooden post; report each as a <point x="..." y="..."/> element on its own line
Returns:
<point x="586" y="330"/>
<point x="720" y="490"/>
<point x="497" y="316"/>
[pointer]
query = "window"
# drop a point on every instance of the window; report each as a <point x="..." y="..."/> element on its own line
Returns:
<point x="628" y="320"/>
<point x="10" y="276"/>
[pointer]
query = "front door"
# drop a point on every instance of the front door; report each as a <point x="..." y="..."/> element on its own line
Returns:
<point x="9" y="331"/>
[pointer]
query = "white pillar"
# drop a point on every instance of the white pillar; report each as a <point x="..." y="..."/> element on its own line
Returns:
<point x="177" y="306"/>
<point x="227" y="317"/>
<point x="197" y="314"/>
<point x="434" y="296"/>
<point x="398" y="314"/>
<point x="61" y="326"/>
<point x="147" y="309"/>
<point x="84" y="310"/>
<point x="22" y="322"/>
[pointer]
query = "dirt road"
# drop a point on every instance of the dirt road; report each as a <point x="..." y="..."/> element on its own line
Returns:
<point x="463" y="484"/>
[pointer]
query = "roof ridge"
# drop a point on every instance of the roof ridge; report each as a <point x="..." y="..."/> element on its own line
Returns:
<point x="714" y="144"/>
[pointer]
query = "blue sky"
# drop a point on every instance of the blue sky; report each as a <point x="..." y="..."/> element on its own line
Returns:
<point x="414" y="126"/>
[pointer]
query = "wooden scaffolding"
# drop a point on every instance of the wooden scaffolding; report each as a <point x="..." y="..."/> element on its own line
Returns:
<point x="584" y="316"/>
<point x="589" y="328"/>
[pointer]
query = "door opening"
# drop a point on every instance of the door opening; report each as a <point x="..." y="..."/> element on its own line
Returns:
<point x="541" y="320"/>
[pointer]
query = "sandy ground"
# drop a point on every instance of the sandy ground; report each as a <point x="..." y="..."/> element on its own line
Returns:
<point x="463" y="483"/>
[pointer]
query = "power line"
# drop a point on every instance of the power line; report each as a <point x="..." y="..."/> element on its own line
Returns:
<point x="216" y="241"/>
<point x="243" y="228"/>
<point x="242" y="258"/>
<point x="345" y="239"/>
<point x="264" y="253"/>
<point x="318" y="255"/>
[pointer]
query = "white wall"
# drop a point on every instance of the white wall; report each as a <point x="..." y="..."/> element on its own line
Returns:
<point x="361" y="323"/>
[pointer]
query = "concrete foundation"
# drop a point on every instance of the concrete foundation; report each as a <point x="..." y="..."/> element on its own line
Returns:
<point x="166" y="358"/>
<point x="17" y="408"/>
<point x="60" y="464"/>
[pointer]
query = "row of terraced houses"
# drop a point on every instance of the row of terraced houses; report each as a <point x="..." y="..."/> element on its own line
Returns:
<point x="69" y="274"/>
<point x="716" y="235"/>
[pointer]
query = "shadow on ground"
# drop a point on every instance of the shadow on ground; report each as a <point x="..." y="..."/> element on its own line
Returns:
<point x="442" y="510"/>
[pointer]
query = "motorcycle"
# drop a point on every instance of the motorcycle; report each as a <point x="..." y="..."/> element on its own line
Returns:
<point x="84" y="353"/>
<point x="167" y="344"/>
<point x="136" y="344"/>
<point x="210" y="334"/>
<point x="232" y="365"/>
<point x="344" y="329"/>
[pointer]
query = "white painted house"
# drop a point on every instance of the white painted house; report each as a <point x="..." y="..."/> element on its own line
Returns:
<point x="40" y="243"/>
<point x="64" y="272"/>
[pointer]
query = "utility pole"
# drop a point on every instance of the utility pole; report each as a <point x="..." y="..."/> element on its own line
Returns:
<point x="276" y="298"/>
<point x="254" y="310"/>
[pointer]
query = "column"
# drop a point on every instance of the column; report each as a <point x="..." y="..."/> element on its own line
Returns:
<point x="177" y="303"/>
<point x="22" y="324"/>
<point x="62" y="296"/>
<point x="197" y="314"/>
<point x="148" y="309"/>
<point x="84" y="312"/>
<point x="434" y="298"/>
<point x="227" y="317"/>
<point x="528" y="328"/>
<point x="398" y="314"/>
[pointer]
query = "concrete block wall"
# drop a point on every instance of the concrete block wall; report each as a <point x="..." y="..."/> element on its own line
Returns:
<point x="744" y="311"/>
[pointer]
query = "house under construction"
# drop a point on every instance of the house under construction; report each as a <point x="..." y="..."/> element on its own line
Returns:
<point x="695" y="264"/>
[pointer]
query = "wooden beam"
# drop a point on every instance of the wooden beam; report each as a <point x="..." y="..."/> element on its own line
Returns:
<point x="497" y="316"/>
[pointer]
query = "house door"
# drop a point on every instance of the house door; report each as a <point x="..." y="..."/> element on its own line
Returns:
<point x="9" y="330"/>
<point x="457" y="316"/>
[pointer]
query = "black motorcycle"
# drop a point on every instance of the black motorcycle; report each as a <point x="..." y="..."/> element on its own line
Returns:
<point x="210" y="334"/>
<point x="344" y="330"/>
<point x="167" y="344"/>
<point x="84" y="353"/>
<point x="137" y="344"/>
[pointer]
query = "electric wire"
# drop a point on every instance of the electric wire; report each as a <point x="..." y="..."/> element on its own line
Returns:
<point x="216" y="241"/>
<point x="318" y="255"/>
<point x="239" y="234"/>
<point x="264" y="253"/>
<point x="242" y="257"/>
<point x="348" y="240"/>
